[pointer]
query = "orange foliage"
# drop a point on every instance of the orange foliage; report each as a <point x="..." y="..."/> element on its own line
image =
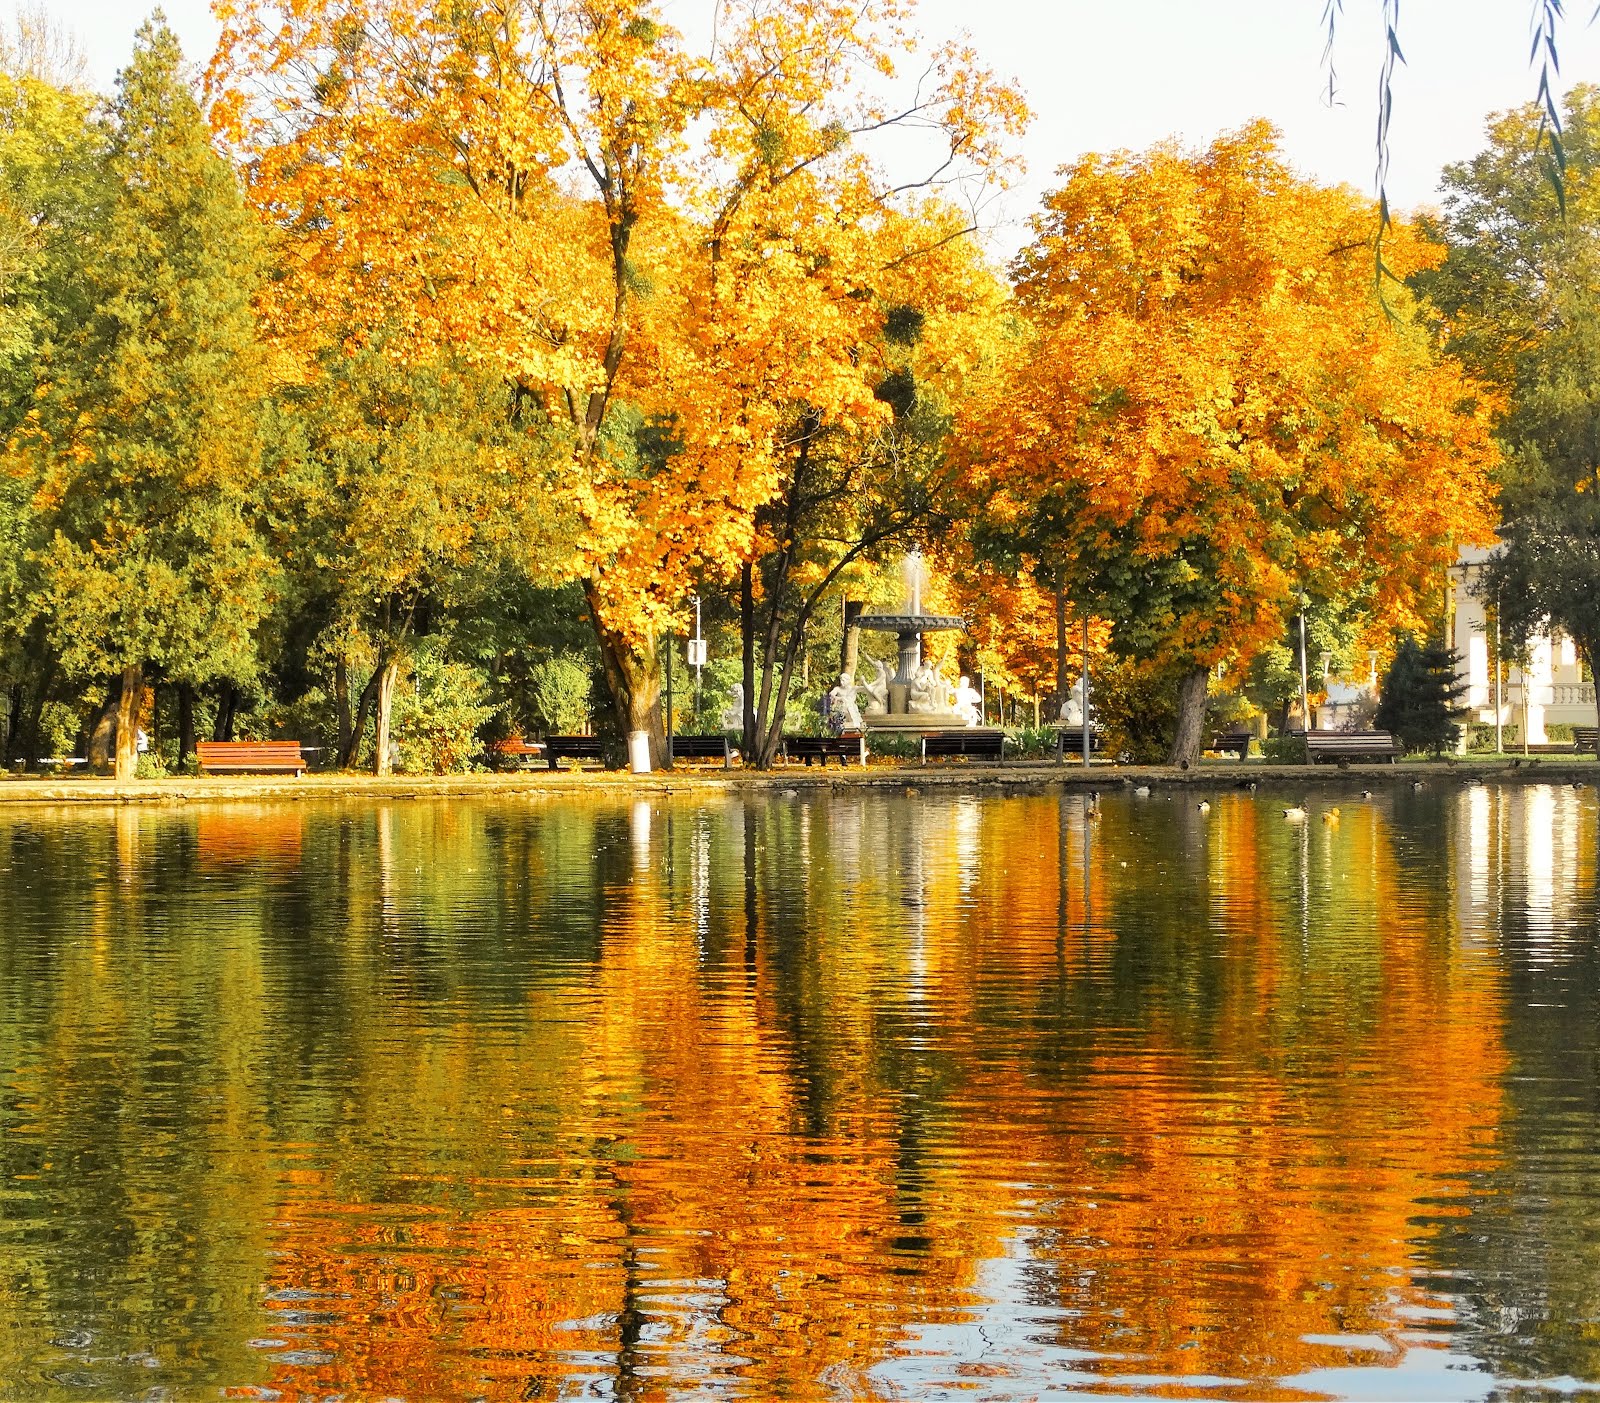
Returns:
<point x="635" y="234"/>
<point x="1215" y="410"/>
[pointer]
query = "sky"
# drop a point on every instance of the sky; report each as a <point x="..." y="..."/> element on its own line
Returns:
<point x="1110" y="74"/>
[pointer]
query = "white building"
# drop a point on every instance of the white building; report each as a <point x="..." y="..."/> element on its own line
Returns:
<point x="1549" y="690"/>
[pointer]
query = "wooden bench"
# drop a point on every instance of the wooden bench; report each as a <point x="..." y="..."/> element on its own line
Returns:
<point x="558" y="748"/>
<point x="980" y="745"/>
<point x="218" y="755"/>
<point x="850" y="746"/>
<point x="514" y="750"/>
<point x="1582" y="743"/>
<point x="701" y="748"/>
<point x="1350" y="745"/>
<point x="1232" y="742"/>
<point x="1069" y="741"/>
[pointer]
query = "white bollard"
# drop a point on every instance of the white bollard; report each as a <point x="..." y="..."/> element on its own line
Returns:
<point x="639" y="752"/>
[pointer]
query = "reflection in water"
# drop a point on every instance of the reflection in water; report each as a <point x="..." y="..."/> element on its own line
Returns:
<point x="810" y="1095"/>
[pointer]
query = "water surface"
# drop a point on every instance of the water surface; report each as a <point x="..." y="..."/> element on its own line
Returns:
<point x="917" y="1094"/>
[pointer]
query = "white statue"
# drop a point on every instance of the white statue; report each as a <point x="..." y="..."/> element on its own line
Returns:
<point x="877" y="690"/>
<point x="969" y="702"/>
<point x="1072" y="707"/>
<point x="732" y="717"/>
<point x="930" y="693"/>
<point x="842" y="712"/>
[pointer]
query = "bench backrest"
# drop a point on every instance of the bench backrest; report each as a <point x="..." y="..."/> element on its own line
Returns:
<point x="247" y="750"/>
<point x="1350" y="740"/>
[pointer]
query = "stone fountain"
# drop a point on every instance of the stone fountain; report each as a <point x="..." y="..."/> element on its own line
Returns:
<point x="915" y="698"/>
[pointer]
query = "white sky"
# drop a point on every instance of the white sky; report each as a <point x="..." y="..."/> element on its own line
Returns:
<point x="1105" y="74"/>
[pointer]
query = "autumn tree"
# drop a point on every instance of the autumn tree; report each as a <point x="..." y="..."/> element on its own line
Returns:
<point x="139" y="451"/>
<point x="855" y="486"/>
<point x="1215" y="414"/>
<point x="631" y="232"/>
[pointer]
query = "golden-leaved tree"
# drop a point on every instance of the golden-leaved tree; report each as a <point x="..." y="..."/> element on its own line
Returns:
<point x="663" y="250"/>
<point x="1216" y="414"/>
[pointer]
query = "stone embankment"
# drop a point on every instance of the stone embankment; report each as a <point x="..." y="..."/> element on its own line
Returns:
<point x="1215" y="777"/>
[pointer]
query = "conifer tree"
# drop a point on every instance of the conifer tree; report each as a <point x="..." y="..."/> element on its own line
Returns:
<point x="1421" y="692"/>
<point x="141" y="449"/>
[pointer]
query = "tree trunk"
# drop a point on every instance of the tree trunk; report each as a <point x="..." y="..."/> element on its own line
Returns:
<point x="633" y="677"/>
<point x="1588" y="652"/>
<point x="16" y="699"/>
<point x="185" y="723"/>
<point x="747" y="644"/>
<point x="1191" y="717"/>
<point x="388" y="673"/>
<point x="341" y="701"/>
<point x="100" y="744"/>
<point x="128" y="707"/>
<point x="1061" y="657"/>
<point x="850" y="647"/>
<point x="347" y="755"/>
<point x="29" y="743"/>
<point x="772" y="727"/>
<point x="227" y="706"/>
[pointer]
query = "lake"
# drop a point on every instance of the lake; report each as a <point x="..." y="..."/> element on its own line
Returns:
<point x="920" y="1093"/>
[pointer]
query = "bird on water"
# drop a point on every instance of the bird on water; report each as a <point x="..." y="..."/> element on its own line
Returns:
<point x="1295" y="814"/>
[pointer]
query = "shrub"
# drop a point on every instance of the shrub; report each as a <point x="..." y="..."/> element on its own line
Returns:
<point x="1135" y="705"/>
<point x="894" y="744"/>
<point x="559" y="689"/>
<point x="1030" y="743"/>
<point x="1284" y="750"/>
<point x="437" y="718"/>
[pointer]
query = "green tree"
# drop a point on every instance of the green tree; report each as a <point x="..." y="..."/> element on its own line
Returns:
<point x="1519" y="298"/>
<point x="1420" y="696"/>
<point x="406" y="482"/>
<point x="51" y="195"/>
<point x="139" y="452"/>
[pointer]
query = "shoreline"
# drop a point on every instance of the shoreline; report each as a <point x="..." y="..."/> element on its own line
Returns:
<point x="31" y="791"/>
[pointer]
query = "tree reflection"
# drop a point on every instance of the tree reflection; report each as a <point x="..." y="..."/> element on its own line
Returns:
<point x="474" y="1100"/>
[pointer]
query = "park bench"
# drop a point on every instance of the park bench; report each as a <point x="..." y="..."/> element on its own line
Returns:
<point x="980" y="745"/>
<point x="1232" y="742"/>
<point x="851" y="746"/>
<point x="701" y="748"/>
<point x="1350" y="745"/>
<point x="1069" y="741"/>
<point x="514" y="751"/>
<point x="557" y="748"/>
<point x="1582" y="743"/>
<point x="240" y="755"/>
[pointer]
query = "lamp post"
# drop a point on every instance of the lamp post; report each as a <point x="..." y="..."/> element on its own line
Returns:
<point x="1305" y="689"/>
<point x="1085" y="736"/>
<point x="696" y="648"/>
